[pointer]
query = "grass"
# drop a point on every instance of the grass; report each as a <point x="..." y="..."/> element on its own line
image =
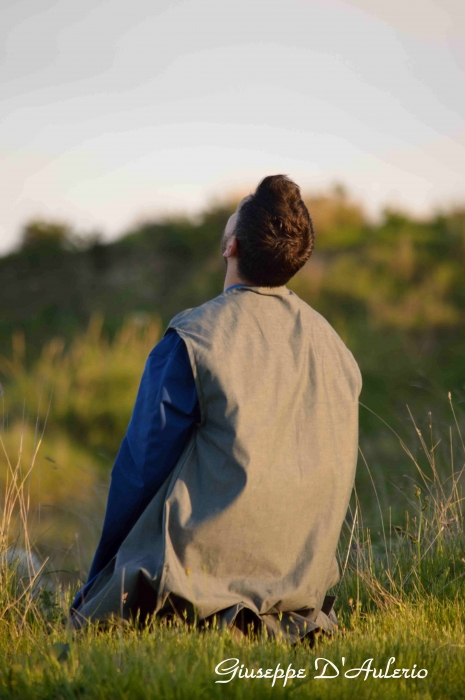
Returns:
<point x="401" y="595"/>
<point x="177" y="663"/>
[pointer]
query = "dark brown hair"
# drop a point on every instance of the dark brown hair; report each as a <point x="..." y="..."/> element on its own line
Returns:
<point x="274" y="232"/>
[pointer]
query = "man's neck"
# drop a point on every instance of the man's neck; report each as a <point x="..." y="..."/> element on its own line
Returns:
<point x="232" y="278"/>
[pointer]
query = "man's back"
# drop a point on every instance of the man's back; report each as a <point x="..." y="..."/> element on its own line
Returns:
<point x="252" y="513"/>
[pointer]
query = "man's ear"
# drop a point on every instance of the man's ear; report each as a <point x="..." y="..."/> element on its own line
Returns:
<point x="231" y="247"/>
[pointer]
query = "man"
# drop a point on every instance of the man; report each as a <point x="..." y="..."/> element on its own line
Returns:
<point x="231" y="486"/>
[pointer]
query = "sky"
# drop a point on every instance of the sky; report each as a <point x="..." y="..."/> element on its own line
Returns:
<point x="114" y="112"/>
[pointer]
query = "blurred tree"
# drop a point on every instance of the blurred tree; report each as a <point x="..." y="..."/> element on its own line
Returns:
<point x="46" y="234"/>
<point x="338" y="221"/>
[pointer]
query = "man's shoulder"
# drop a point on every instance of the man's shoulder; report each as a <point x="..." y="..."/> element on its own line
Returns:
<point x="329" y="341"/>
<point x="189" y="317"/>
<point x="178" y="318"/>
<point x="318" y="321"/>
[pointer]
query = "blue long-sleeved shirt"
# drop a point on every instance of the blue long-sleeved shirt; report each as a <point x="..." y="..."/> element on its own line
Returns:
<point x="164" y="415"/>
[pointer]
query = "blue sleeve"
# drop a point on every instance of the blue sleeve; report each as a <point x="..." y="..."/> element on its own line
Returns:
<point x="164" y="416"/>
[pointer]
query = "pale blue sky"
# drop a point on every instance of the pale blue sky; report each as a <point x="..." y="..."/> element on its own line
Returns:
<point x="114" y="111"/>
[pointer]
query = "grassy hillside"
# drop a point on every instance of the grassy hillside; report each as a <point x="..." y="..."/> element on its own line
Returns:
<point x="79" y="319"/>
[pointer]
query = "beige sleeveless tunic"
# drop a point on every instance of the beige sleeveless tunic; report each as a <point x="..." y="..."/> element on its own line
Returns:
<point x="251" y="515"/>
